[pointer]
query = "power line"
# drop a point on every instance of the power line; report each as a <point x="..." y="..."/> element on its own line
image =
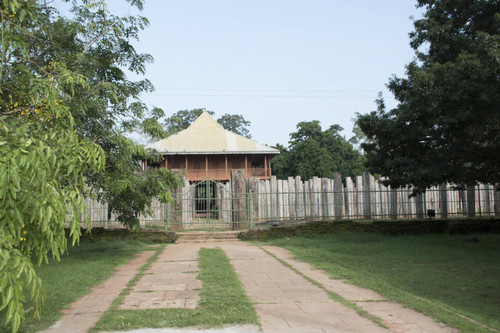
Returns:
<point x="275" y="90"/>
<point x="267" y="93"/>
<point x="261" y="96"/>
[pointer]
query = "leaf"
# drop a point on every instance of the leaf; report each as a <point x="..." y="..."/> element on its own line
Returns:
<point x="16" y="321"/>
<point x="10" y="311"/>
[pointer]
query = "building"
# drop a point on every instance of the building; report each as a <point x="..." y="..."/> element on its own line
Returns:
<point x="205" y="150"/>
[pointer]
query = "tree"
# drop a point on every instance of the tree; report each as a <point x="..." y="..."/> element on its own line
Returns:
<point x="182" y="119"/>
<point x="235" y="123"/>
<point x="314" y="152"/>
<point x="64" y="105"/>
<point x="446" y="127"/>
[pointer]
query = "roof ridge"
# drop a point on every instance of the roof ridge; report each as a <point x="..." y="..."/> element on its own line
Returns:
<point x="205" y="120"/>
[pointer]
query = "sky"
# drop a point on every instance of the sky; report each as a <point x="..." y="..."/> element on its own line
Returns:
<point x="276" y="62"/>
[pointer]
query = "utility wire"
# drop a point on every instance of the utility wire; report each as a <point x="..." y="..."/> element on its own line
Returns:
<point x="267" y="93"/>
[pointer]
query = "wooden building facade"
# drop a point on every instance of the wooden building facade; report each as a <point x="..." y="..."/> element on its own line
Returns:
<point x="205" y="150"/>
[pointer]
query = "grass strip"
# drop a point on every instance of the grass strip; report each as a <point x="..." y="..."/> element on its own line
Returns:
<point x="222" y="301"/>
<point x="453" y="279"/>
<point x="334" y="296"/>
<point x="78" y="271"/>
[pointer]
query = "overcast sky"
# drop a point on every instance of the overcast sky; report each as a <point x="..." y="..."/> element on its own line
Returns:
<point x="276" y="62"/>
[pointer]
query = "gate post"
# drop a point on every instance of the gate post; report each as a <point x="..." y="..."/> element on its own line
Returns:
<point x="239" y="199"/>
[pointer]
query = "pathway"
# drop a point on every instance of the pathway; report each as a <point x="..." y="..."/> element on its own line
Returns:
<point x="285" y="301"/>
<point x="86" y="312"/>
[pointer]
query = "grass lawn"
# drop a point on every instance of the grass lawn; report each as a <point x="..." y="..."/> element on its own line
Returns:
<point x="446" y="277"/>
<point x="222" y="301"/>
<point x="72" y="277"/>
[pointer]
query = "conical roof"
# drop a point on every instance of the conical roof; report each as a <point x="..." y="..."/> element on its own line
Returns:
<point x="206" y="136"/>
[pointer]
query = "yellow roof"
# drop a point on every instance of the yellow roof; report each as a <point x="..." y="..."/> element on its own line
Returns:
<point x="206" y="136"/>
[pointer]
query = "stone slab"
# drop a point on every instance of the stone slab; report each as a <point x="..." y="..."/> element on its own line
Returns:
<point x="170" y="282"/>
<point x="286" y="301"/>
<point x="393" y="315"/>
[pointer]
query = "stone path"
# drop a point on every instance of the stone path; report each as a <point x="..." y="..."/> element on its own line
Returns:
<point x="86" y="312"/>
<point x="285" y="301"/>
<point x="170" y="282"/>
<point x="392" y="314"/>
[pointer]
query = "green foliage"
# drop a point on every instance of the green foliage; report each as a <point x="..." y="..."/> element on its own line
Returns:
<point x="128" y="190"/>
<point x="42" y="162"/>
<point x="184" y="118"/>
<point x="446" y="127"/>
<point x="65" y="103"/>
<point x="235" y="123"/>
<point x="314" y="152"/>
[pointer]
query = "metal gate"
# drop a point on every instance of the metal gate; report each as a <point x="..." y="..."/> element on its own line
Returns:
<point x="208" y="205"/>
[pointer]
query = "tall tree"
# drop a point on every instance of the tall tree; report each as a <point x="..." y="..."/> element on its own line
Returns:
<point x="446" y="127"/>
<point x="64" y="104"/>
<point x="182" y="119"/>
<point x="314" y="152"/>
<point x="235" y="123"/>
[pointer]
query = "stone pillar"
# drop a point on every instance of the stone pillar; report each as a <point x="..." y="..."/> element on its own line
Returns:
<point x="279" y="196"/>
<point x="359" y="197"/>
<point x="443" y="201"/>
<point x="253" y="190"/>
<point x="496" y="200"/>
<point x="316" y="197"/>
<point x="471" y="201"/>
<point x="367" y="200"/>
<point x="307" y="199"/>
<point x="239" y="199"/>
<point x="291" y="198"/>
<point x="177" y="205"/>
<point x="393" y="202"/>
<point x="338" y="193"/>
<point x="420" y="206"/>
<point x="484" y="204"/>
<point x="299" y="198"/>
<point x="274" y="197"/>
<point x="349" y="198"/>
<point x="325" y="203"/>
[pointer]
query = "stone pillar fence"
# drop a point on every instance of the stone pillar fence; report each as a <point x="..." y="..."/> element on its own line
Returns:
<point x="336" y="198"/>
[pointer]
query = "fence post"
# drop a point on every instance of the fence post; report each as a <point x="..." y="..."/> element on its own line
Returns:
<point x="367" y="202"/>
<point x="471" y="200"/>
<point x="485" y="202"/>
<point x="443" y="200"/>
<point x="496" y="199"/>
<point x="299" y="198"/>
<point x="249" y="209"/>
<point x="359" y="197"/>
<point x="325" y="203"/>
<point x="177" y="204"/>
<point x="239" y="198"/>
<point x="420" y="205"/>
<point x="393" y="202"/>
<point x="253" y="189"/>
<point x="338" y="195"/>
<point x="291" y="198"/>
<point x="274" y="197"/>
